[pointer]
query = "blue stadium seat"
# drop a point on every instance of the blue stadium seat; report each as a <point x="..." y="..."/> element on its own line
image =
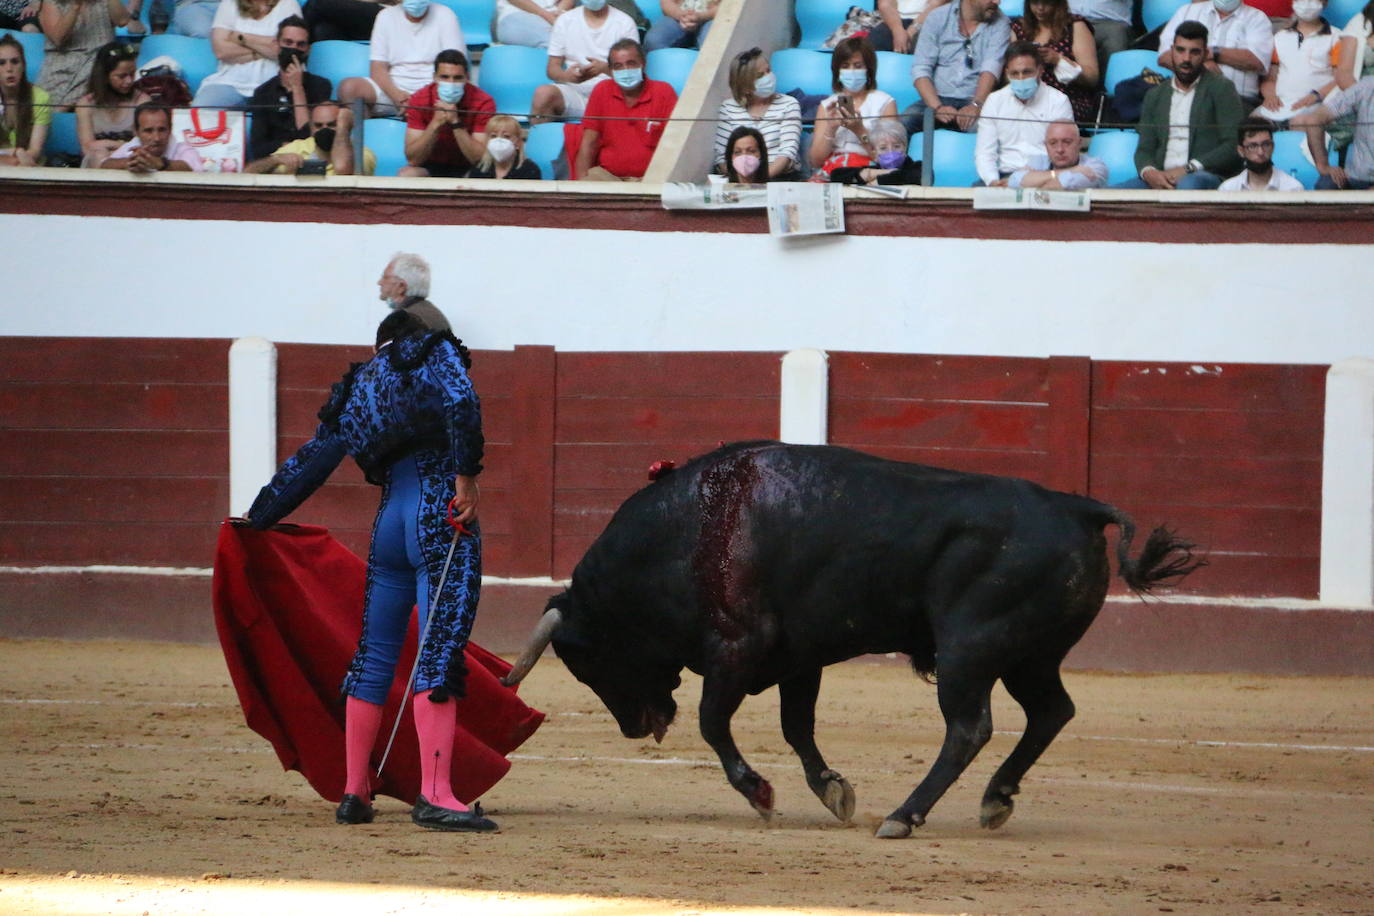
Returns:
<point x="1126" y="64"/>
<point x="122" y="33"/>
<point x="799" y="68"/>
<point x="338" y="60"/>
<point x="671" y="66"/>
<point x="651" y="10"/>
<point x="33" y="51"/>
<point x="475" y="18"/>
<point x="894" y="78"/>
<point x="511" y="73"/>
<point x="544" y="147"/>
<point x="1340" y="12"/>
<point x="194" y="55"/>
<point x="386" y="137"/>
<point x="1154" y="13"/>
<point x="1013" y="8"/>
<point x="62" y="136"/>
<point x="1117" y="149"/>
<point x="818" y="18"/>
<point x="1290" y="155"/>
<point x="953" y="153"/>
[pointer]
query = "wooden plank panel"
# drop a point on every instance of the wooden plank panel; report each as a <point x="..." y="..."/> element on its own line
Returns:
<point x="959" y="378"/>
<point x="115" y="453"/>
<point x="1242" y="386"/>
<point x="1224" y="529"/>
<point x="654" y="419"/>
<point x="595" y="466"/>
<point x="532" y="455"/>
<point x="586" y="511"/>
<point x="119" y="359"/>
<point x="1070" y="398"/>
<point x="1249" y="576"/>
<point x="126" y="544"/>
<point x="98" y="405"/>
<point x="687" y="375"/>
<point x="1208" y="433"/>
<point x="567" y="551"/>
<point x="1216" y="481"/>
<point x="1029" y="465"/>
<point x="113" y="500"/>
<point x="863" y="423"/>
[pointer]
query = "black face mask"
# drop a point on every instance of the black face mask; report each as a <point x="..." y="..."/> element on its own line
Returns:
<point x="286" y="55"/>
<point x="324" y="138"/>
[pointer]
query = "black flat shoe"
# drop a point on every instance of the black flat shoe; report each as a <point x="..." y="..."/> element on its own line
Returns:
<point x="353" y="810"/>
<point x="432" y="817"/>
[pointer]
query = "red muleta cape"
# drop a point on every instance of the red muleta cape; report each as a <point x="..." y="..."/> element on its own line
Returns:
<point x="288" y="608"/>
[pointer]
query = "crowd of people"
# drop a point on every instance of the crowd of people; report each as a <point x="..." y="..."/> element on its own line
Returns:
<point x="1026" y="86"/>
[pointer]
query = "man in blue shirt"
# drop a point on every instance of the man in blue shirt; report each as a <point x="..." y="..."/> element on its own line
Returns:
<point x="957" y="62"/>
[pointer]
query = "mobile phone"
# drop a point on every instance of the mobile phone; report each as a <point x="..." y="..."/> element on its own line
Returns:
<point x="313" y="167"/>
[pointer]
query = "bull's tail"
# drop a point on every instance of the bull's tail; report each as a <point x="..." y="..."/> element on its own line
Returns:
<point x="1163" y="562"/>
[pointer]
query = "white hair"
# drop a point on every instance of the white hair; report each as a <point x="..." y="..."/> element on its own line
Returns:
<point x="413" y="271"/>
<point x="886" y="127"/>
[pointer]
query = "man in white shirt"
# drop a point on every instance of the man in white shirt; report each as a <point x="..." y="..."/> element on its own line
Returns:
<point x="1063" y="167"/>
<point x="1240" y="39"/>
<point x="579" y="47"/>
<point x="528" y="22"/>
<point x="1012" y="127"/>
<point x="1256" y="147"/>
<point x="405" y="40"/>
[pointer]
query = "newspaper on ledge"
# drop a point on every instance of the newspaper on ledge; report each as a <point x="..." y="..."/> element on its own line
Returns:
<point x="1030" y="199"/>
<point x="805" y="208"/>
<point x="714" y="195"/>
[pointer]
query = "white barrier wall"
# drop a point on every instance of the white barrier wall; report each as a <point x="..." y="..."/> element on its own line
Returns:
<point x="618" y="290"/>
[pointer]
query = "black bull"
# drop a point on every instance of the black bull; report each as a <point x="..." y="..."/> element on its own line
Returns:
<point x="761" y="563"/>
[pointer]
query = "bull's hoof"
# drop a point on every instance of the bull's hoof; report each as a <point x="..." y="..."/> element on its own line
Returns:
<point x="995" y="812"/>
<point x="893" y="830"/>
<point x="837" y="795"/>
<point x="761" y="799"/>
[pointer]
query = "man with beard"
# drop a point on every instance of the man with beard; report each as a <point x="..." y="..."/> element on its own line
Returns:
<point x="1257" y="149"/>
<point x="330" y="142"/>
<point x="1188" y="125"/>
<point x="957" y="63"/>
<point x="281" y="106"/>
<point x="152" y="148"/>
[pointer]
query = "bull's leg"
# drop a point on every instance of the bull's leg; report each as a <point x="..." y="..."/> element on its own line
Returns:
<point x="1048" y="708"/>
<point x="965" y="700"/>
<point x="720" y="697"/>
<point x="799" y="728"/>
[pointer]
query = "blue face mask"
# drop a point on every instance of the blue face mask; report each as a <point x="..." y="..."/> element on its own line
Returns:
<point x="854" y="80"/>
<point x="628" y="78"/>
<point x="451" y="92"/>
<point x="416" y="8"/>
<point x="891" y="159"/>
<point x="595" y="6"/>
<point x="1024" y="89"/>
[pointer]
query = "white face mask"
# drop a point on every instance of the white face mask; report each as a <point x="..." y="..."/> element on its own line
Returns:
<point x="765" y="86"/>
<point x="1225" y="6"/>
<point x="501" y="149"/>
<point x="1308" y="10"/>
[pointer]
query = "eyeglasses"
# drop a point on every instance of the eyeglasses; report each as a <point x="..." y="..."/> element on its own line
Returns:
<point x="745" y="56"/>
<point x="121" y="52"/>
<point x="968" y="53"/>
<point x="1257" y="145"/>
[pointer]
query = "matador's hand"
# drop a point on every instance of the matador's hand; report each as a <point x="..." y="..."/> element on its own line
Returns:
<point x="464" y="499"/>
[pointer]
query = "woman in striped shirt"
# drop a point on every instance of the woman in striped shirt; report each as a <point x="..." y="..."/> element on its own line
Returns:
<point x="757" y="104"/>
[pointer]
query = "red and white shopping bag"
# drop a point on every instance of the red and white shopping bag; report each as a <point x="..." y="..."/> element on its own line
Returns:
<point x="220" y="137"/>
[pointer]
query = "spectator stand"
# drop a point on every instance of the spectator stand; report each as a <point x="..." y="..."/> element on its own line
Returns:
<point x="651" y="10"/>
<point x="33" y="43"/>
<point x="511" y="73"/>
<point x="951" y="162"/>
<point x="475" y="16"/>
<point x="1291" y="155"/>
<point x="544" y="147"/>
<point x="671" y="65"/>
<point x="338" y="60"/>
<point x="62" y="138"/>
<point x="817" y="19"/>
<point x="386" y="137"/>
<point x="1117" y="149"/>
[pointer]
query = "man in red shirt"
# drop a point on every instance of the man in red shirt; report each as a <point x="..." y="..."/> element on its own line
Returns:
<point x="446" y="122"/>
<point x="624" y="119"/>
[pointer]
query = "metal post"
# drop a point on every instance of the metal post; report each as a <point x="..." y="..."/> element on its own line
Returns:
<point x="357" y="136"/>
<point x="928" y="148"/>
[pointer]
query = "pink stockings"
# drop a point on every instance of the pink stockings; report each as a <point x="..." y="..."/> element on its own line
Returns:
<point x="436" y="725"/>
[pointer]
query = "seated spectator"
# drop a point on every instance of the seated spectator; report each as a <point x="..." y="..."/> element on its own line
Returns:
<point x="19" y="15"/>
<point x="330" y="141"/>
<point x="1062" y="167"/>
<point x="1242" y="42"/>
<point x="902" y="21"/>
<point x="1012" y="128"/>
<point x="405" y="41"/>
<point x="25" y="115"/>
<point x="579" y="48"/>
<point x="446" y="122"/>
<point x="342" y="20"/>
<point x="1188" y="125"/>
<point x="957" y="63"/>
<point x="505" y="155"/>
<point x="1308" y="64"/>
<point x="624" y="119"/>
<point x="1067" y="51"/>
<point x="755" y="102"/>
<point x="746" y="157"/>
<point x="893" y="165"/>
<point x="1111" y="24"/>
<point x="244" y="38"/>
<point x="1256" y="148"/>
<point x="152" y="149"/>
<point x="842" y="138"/>
<point x="1358" y="174"/>
<point x="105" y="114"/>
<point x="527" y="22"/>
<point x="1361" y="28"/>
<point x="281" y="106"/>
<point x="684" y="24"/>
<point x="75" y="30"/>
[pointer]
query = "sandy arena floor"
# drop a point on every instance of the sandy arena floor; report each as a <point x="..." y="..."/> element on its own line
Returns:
<point x="131" y="786"/>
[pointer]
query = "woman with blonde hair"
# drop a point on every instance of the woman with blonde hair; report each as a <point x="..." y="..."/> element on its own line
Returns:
<point x="755" y="102"/>
<point x="75" y="29"/>
<point x="244" y="38"/>
<point x="505" y="155"/>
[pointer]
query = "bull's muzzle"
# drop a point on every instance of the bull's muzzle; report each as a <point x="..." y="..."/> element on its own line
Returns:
<point x="539" y="641"/>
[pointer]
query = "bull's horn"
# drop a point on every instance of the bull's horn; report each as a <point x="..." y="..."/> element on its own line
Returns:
<point x="539" y="641"/>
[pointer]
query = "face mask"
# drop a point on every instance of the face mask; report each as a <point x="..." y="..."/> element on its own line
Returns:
<point x="891" y="159"/>
<point x="416" y="8"/>
<point x="1307" y="10"/>
<point x="1024" y="89"/>
<point x="451" y="92"/>
<point x="629" y="78"/>
<point x="324" y="139"/>
<point x="595" y="6"/>
<point x="765" y="86"/>
<point x="745" y="164"/>
<point x="501" y="149"/>
<point x="286" y="55"/>
<point x="1225" y="6"/>
<point x="854" y="80"/>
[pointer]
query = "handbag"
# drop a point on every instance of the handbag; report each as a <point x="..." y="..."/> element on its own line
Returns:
<point x="218" y="136"/>
<point x="856" y="20"/>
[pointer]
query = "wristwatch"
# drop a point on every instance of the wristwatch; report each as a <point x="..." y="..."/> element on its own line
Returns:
<point x="1193" y="166"/>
